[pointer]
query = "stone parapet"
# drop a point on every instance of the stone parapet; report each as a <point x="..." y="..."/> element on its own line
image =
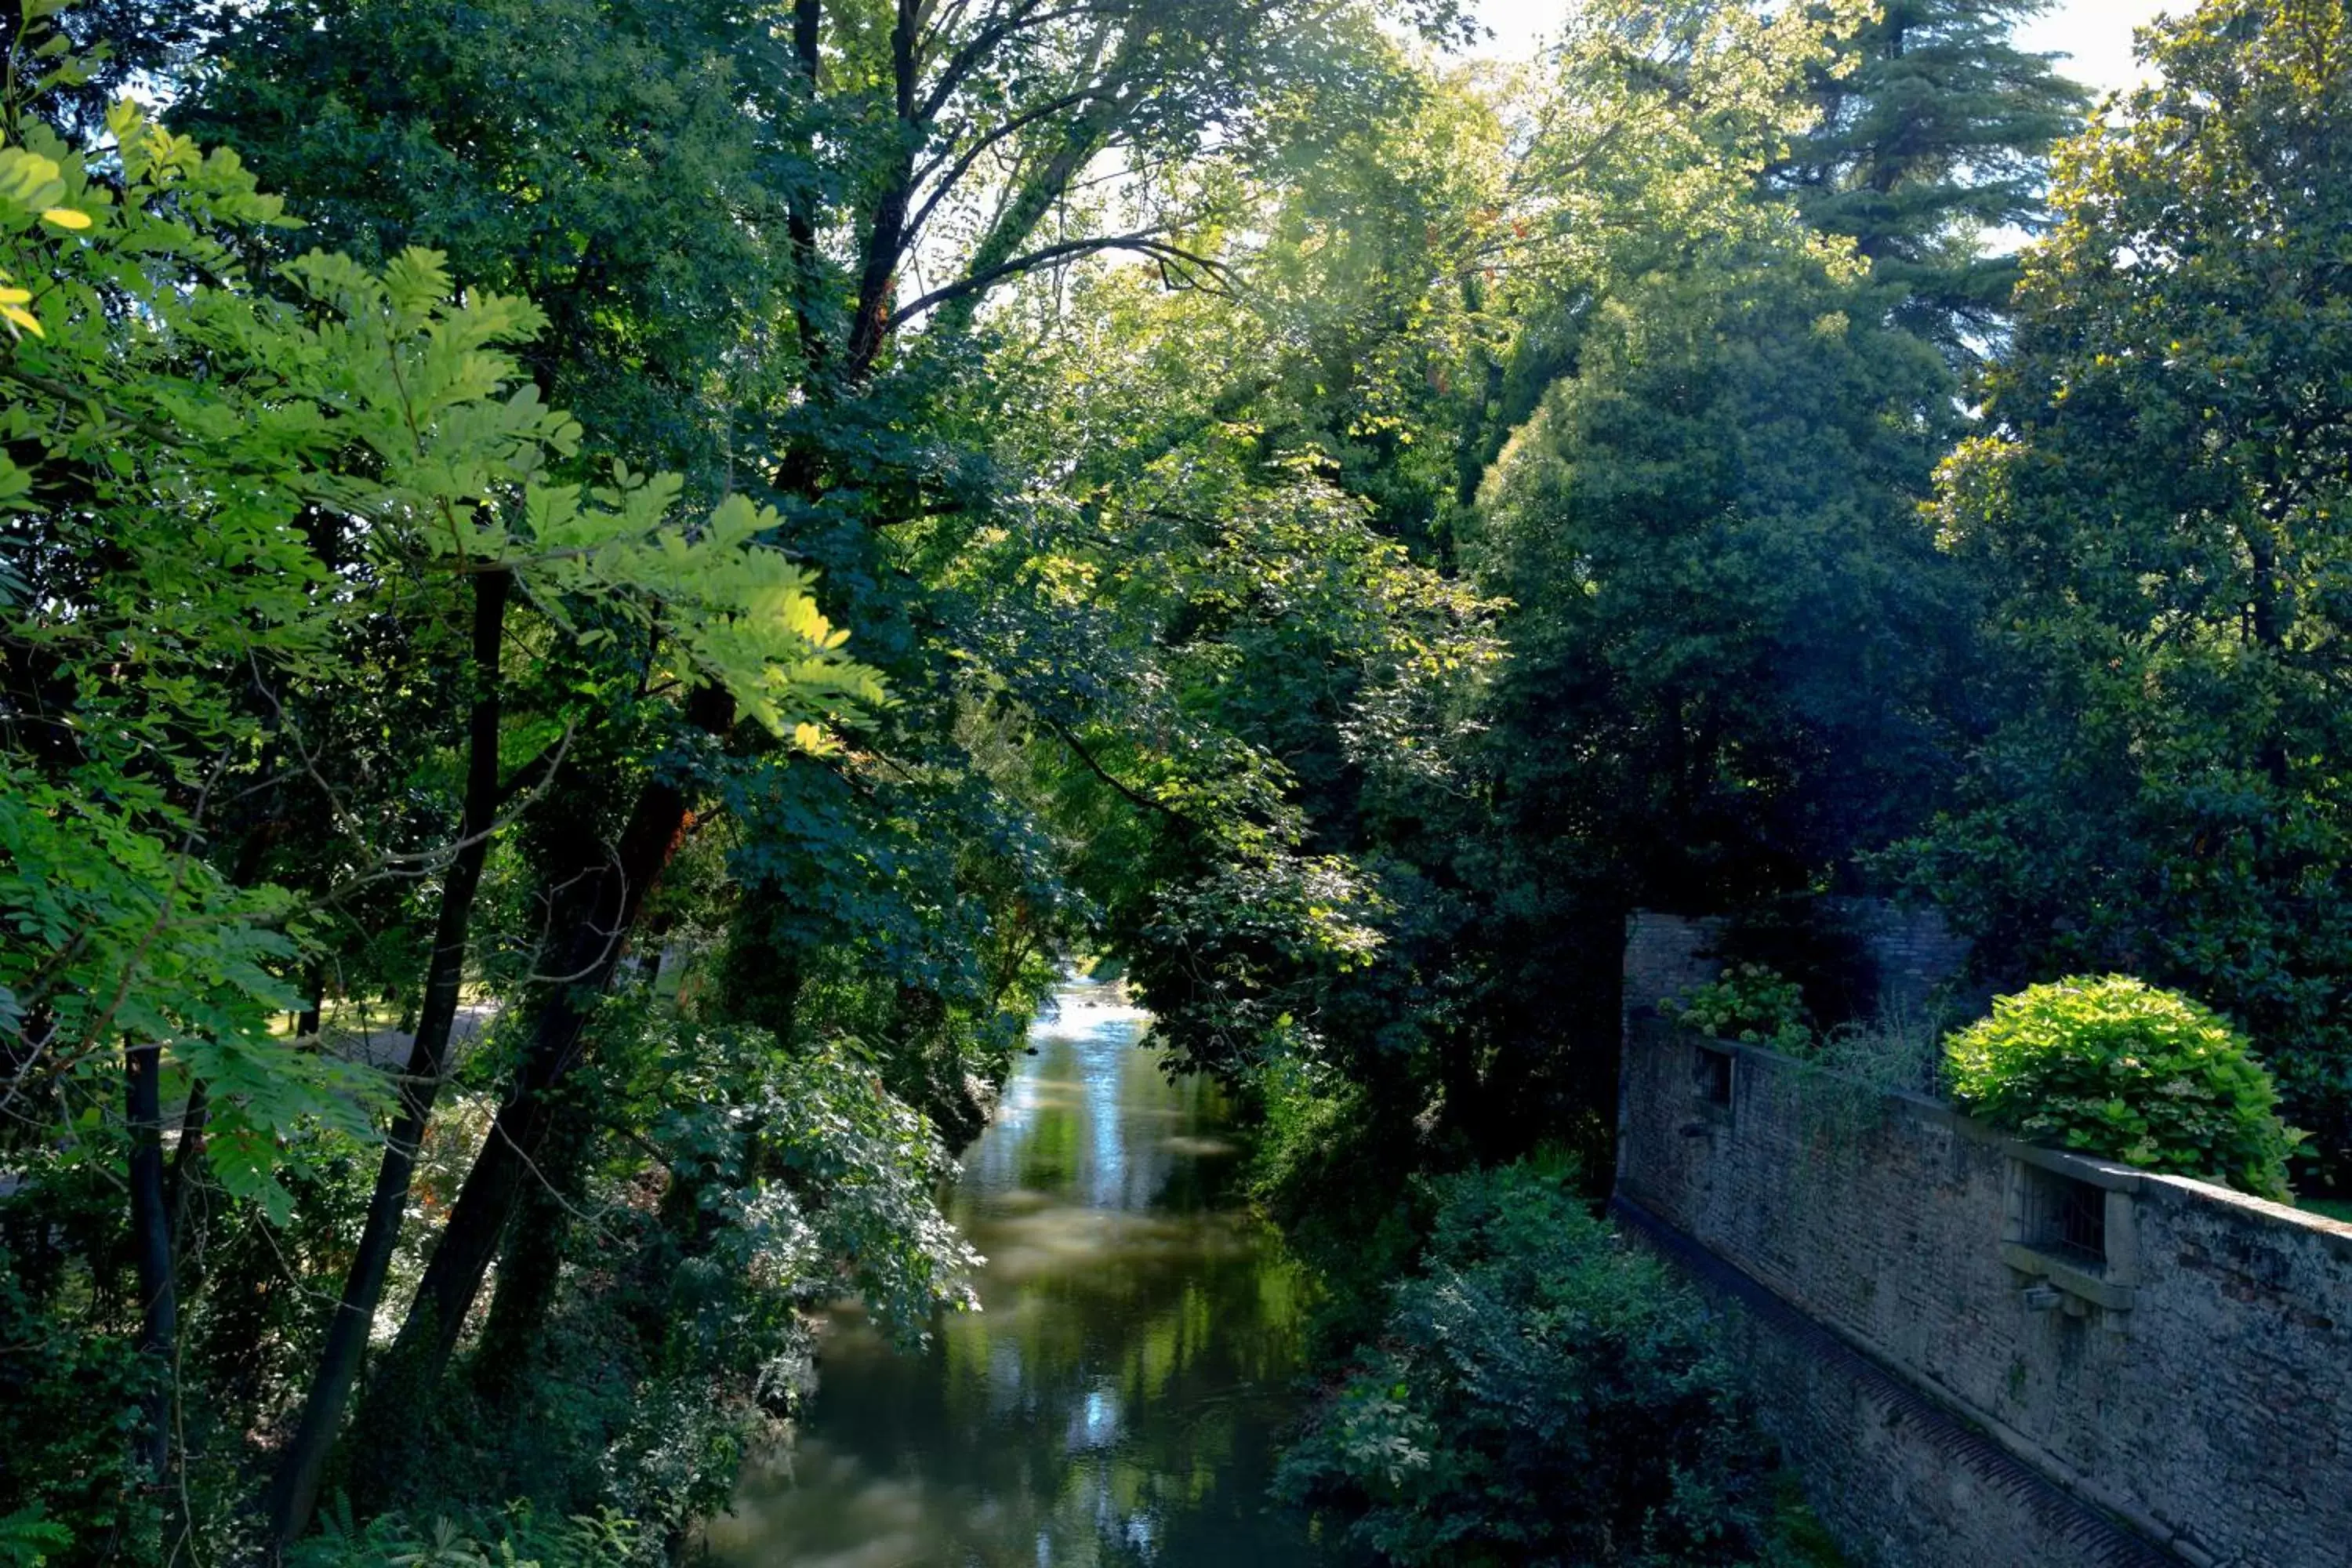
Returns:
<point x="2166" y="1364"/>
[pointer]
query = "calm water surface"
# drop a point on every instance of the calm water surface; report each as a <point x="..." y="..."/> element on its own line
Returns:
<point x="1119" y="1399"/>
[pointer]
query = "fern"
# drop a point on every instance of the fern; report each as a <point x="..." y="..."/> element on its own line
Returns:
<point x="27" y="1539"/>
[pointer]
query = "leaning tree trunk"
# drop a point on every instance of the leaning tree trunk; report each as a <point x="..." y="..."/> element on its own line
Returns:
<point x="294" y="1487"/>
<point x="306" y="1023"/>
<point x="532" y="1263"/>
<point x="151" y="1236"/>
<point x="180" y="1192"/>
<point x="595" y="925"/>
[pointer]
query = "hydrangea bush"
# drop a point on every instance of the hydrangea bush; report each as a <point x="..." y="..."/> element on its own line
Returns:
<point x="2118" y="1068"/>
<point x="1751" y="1003"/>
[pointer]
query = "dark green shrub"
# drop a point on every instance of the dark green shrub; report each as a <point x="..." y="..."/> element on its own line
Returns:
<point x="72" y="1391"/>
<point x="515" y="1537"/>
<point x="2115" y="1066"/>
<point x="1542" y="1393"/>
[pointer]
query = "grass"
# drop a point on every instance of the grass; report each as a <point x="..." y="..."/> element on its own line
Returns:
<point x="2334" y="1208"/>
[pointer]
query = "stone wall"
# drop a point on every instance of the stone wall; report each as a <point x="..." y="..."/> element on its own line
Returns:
<point x="1666" y="955"/>
<point x="1983" y="1353"/>
<point x="1917" y="954"/>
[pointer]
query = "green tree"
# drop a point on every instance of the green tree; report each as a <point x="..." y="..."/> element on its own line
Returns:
<point x="601" y="156"/>
<point x="1932" y="134"/>
<point x="1730" y="622"/>
<point x="350" y="450"/>
<point x="2158" y="511"/>
<point x="1710" y="532"/>
<point x="617" y="164"/>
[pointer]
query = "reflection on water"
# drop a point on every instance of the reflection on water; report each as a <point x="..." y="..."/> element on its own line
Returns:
<point x="1117" y="1399"/>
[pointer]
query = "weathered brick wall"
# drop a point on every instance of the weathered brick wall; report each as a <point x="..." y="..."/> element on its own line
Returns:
<point x="1897" y="1478"/>
<point x="2184" y="1392"/>
<point x="1915" y="953"/>
<point x="1666" y="955"/>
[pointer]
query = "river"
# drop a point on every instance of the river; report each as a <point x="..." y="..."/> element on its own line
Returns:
<point x="1119" y="1398"/>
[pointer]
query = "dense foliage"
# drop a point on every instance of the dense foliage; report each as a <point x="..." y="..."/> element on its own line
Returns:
<point x="2117" y="1066"/>
<point x="2157" y="509"/>
<point x="1542" y="1392"/>
<point x="595" y="596"/>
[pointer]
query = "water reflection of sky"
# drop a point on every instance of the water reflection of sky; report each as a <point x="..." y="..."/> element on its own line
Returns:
<point x="1118" y="1401"/>
<point x="1098" y="1032"/>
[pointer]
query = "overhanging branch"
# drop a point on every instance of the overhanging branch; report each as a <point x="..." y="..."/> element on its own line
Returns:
<point x="1145" y="243"/>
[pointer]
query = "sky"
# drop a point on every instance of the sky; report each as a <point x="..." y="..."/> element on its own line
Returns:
<point x="2095" y="34"/>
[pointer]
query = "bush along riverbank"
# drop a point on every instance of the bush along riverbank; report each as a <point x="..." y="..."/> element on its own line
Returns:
<point x="1541" y="1390"/>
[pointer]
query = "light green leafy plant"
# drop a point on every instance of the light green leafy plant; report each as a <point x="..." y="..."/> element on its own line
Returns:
<point x="27" y="1540"/>
<point x="514" y="1538"/>
<point x="2116" y="1067"/>
<point x="1751" y="1003"/>
<point x="260" y="473"/>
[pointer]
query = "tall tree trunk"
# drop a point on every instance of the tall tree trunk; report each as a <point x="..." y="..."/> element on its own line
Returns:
<point x="187" y="1161"/>
<point x="595" y="925"/>
<point x="886" y="240"/>
<point x="294" y="1487"/>
<point x="307" y="1022"/>
<point x="800" y="221"/>
<point x="151" y="1236"/>
<point x="532" y="1264"/>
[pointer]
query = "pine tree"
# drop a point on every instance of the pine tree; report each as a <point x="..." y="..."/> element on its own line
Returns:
<point x="1933" y="127"/>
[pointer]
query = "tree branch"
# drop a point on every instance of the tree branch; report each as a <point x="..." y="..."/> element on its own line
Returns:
<point x="1078" y="749"/>
<point x="962" y="165"/>
<point x="1142" y="244"/>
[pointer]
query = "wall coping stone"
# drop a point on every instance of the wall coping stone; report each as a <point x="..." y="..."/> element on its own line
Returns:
<point x="2107" y="1175"/>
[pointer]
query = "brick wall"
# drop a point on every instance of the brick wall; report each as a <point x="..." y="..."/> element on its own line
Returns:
<point x="1666" y="955"/>
<point x="1981" y="1353"/>
<point x="1914" y="952"/>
